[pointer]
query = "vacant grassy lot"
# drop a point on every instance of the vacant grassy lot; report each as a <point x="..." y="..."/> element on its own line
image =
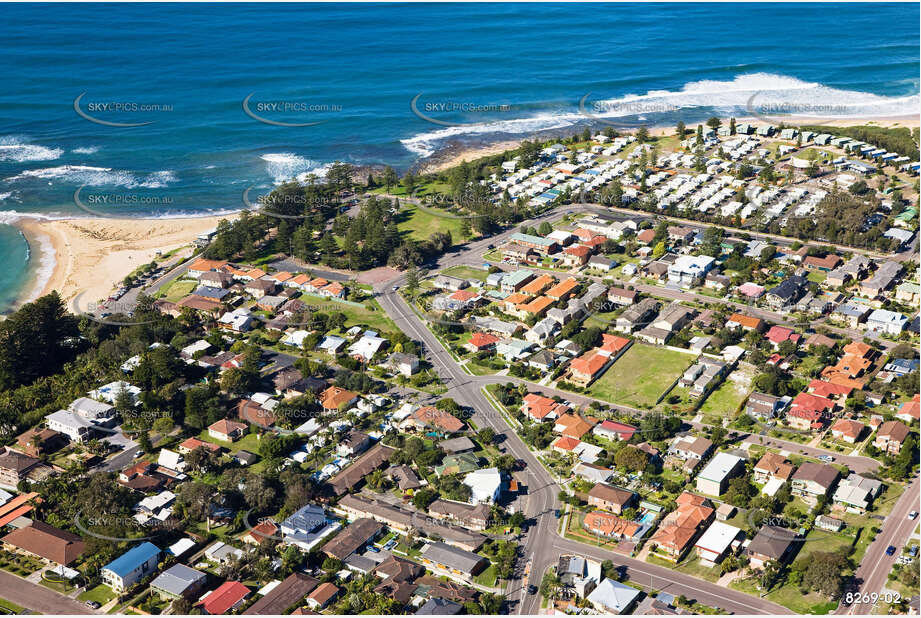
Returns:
<point x="369" y="314"/>
<point x="420" y="223"/>
<point x="640" y="376"/>
<point x="177" y="290"/>
<point x="726" y="399"/>
<point x="466" y="272"/>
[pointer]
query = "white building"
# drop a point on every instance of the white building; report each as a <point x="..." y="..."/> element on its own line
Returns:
<point x="885" y="321"/>
<point x="485" y="485"/>
<point x="689" y="270"/>
<point x="714" y="544"/>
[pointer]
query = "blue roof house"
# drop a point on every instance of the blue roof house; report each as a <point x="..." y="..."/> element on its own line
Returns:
<point x="131" y="567"/>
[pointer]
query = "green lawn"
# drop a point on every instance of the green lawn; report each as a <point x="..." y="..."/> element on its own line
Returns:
<point x="790" y="597"/>
<point x="487" y="577"/>
<point x="817" y="276"/>
<point x="369" y="314"/>
<point x="640" y="376"/>
<point x="177" y="290"/>
<point x="11" y="607"/>
<point x="466" y="272"/>
<point x="691" y="566"/>
<point x="726" y="399"/>
<point x="249" y="442"/>
<point x="102" y="594"/>
<point x="420" y="223"/>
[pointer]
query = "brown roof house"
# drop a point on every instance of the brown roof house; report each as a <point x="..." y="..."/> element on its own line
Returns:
<point x="771" y="543"/>
<point x="610" y="498"/>
<point x="813" y="480"/>
<point x="890" y="436"/>
<point x="46" y="542"/>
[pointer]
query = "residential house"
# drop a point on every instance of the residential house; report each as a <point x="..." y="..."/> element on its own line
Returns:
<point x="283" y="596"/>
<point x="675" y="535"/>
<point x="856" y="493"/>
<point x="716" y="542"/>
<point x="224" y="599"/>
<point x="764" y="406"/>
<point x="637" y="316"/>
<point x="179" y="581"/>
<point x="620" y="296"/>
<point x="812" y="481"/>
<point x="714" y="478"/>
<point x="772" y="466"/>
<point x="352" y="538"/>
<point x="452" y="561"/>
<point x="847" y="430"/>
<point x="44" y="541"/>
<point x="227" y="430"/>
<point x="772" y="543"/>
<point x="613" y="597"/>
<point x="485" y="485"/>
<point x="610" y="498"/>
<point x="808" y="411"/>
<point x="890" y="436"/>
<point x="131" y="567"/>
<point x="737" y="320"/>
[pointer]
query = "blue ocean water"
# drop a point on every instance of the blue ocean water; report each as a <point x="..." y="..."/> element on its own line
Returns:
<point x="346" y="75"/>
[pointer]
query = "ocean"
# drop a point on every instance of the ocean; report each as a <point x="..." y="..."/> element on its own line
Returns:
<point x="169" y="109"/>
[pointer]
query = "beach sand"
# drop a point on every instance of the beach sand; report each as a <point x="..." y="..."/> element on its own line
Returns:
<point x="457" y="154"/>
<point x="94" y="255"/>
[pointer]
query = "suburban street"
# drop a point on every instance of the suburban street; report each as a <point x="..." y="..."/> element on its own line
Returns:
<point x="543" y="489"/>
<point x="38" y="598"/>
<point x="542" y="503"/>
<point x="872" y="574"/>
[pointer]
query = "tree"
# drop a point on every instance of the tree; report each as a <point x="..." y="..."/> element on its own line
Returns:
<point x="389" y="177"/>
<point x="486" y="435"/>
<point x="550" y="584"/>
<point x="659" y="250"/>
<point x="825" y="572"/>
<point x="680" y="129"/>
<point x="714" y="123"/>
<point x="412" y="281"/>
<point x="545" y="228"/>
<point x="642" y="134"/>
<point x="631" y="458"/>
<point x="144" y="441"/>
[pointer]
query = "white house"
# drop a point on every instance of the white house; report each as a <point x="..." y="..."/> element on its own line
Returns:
<point x="713" y="545"/>
<point x="885" y="321"/>
<point x="484" y="484"/>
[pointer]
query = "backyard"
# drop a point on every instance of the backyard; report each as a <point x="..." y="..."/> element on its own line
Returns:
<point x="640" y="376"/>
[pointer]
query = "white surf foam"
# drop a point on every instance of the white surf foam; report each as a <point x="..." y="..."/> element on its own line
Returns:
<point x="86" y="150"/>
<point x="96" y="176"/>
<point x="285" y="166"/>
<point x="766" y="94"/>
<point x="15" y="148"/>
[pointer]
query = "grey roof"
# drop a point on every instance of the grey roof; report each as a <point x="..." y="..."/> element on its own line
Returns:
<point x="177" y="579"/>
<point x="457" y="445"/>
<point x="453" y="557"/>
<point x="439" y="607"/>
<point x="772" y="541"/>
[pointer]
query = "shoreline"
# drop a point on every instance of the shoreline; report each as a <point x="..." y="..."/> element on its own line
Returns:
<point x="91" y="256"/>
<point x="455" y="153"/>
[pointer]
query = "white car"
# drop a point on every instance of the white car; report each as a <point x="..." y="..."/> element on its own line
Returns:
<point x="913" y="514"/>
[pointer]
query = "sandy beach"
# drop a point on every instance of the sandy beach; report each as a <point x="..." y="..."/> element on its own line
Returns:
<point x="94" y="255"/>
<point x="458" y="154"/>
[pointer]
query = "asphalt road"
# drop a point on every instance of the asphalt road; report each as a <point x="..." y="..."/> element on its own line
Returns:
<point x="542" y="544"/>
<point x="873" y="572"/>
<point x="38" y="598"/>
